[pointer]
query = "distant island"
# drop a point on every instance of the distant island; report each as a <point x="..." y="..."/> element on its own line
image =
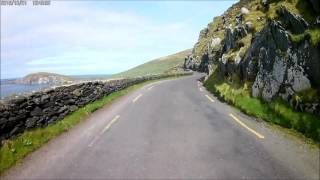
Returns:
<point x="44" y="78"/>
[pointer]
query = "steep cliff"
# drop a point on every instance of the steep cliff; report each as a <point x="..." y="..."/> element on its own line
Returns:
<point x="263" y="57"/>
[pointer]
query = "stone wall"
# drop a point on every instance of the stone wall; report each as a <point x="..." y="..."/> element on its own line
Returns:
<point x="42" y="108"/>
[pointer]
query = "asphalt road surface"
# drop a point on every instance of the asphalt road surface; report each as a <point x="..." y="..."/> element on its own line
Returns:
<point x="171" y="129"/>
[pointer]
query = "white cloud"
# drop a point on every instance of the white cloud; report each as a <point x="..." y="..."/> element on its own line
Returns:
<point x="40" y="38"/>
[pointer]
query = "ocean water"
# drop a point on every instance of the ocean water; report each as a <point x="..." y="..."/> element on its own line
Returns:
<point x="7" y="88"/>
<point x="11" y="89"/>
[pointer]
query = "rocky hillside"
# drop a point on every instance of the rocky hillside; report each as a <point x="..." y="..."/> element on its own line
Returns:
<point x="44" y="78"/>
<point x="171" y="63"/>
<point x="271" y="47"/>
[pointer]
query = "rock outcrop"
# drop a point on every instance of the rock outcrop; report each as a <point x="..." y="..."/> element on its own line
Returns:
<point x="292" y="21"/>
<point x="276" y="65"/>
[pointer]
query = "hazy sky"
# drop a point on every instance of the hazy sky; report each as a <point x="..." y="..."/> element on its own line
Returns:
<point x="94" y="37"/>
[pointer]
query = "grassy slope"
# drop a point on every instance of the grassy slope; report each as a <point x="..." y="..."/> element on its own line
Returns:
<point x="157" y="66"/>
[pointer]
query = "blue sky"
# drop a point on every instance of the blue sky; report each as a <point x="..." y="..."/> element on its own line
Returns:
<point x="98" y="37"/>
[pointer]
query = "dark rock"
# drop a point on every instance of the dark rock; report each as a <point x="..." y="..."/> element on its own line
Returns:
<point x="53" y="119"/>
<point x="19" y="100"/>
<point x="73" y="108"/>
<point x="36" y="112"/>
<point x="5" y="114"/>
<point x="31" y="122"/>
<point x="239" y="32"/>
<point x="15" y="130"/>
<point x="62" y="109"/>
<point x="203" y="33"/>
<point x="249" y="27"/>
<point x="191" y="63"/>
<point x="317" y="22"/>
<point x="281" y="38"/>
<point x="229" y="42"/>
<point x="292" y="21"/>
<point x="70" y="101"/>
<point x="239" y="18"/>
<point x="44" y="98"/>
<point x="77" y="92"/>
<point x="50" y="111"/>
<point x="315" y="5"/>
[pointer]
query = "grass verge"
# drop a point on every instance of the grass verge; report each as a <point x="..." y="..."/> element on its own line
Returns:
<point x="277" y="111"/>
<point x="15" y="149"/>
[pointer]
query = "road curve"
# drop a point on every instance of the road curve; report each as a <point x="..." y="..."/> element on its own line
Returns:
<point x="172" y="129"/>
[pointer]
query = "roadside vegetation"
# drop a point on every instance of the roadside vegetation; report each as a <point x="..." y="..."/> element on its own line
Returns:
<point x="278" y="111"/>
<point x="15" y="149"/>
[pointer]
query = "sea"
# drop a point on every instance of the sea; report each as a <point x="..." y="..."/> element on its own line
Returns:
<point x="16" y="89"/>
<point x="8" y="88"/>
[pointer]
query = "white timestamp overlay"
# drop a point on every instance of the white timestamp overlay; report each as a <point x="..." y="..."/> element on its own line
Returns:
<point x="25" y="2"/>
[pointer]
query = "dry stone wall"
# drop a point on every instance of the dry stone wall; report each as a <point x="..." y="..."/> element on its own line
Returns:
<point x="42" y="108"/>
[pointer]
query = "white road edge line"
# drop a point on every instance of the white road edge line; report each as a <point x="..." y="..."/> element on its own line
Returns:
<point x="210" y="99"/>
<point x="93" y="141"/>
<point x="245" y="126"/>
<point x="115" y="119"/>
<point x="136" y="98"/>
<point x="150" y="88"/>
<point x="201" y="89"/>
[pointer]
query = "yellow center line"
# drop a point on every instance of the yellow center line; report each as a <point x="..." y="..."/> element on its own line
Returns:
<point x="150" y="88"/>
<point x="210" y="99"/>
<point x="136" y="98"/>
<point x="245" y="126"/>
<point x="115" y="119"/>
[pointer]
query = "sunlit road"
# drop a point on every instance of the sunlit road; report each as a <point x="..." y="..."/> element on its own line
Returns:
<point x="170" y="129"/>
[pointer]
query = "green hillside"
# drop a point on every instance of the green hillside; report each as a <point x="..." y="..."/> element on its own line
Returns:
<point x="161" y="65"/>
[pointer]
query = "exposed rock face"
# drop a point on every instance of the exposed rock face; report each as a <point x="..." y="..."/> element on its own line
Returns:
<point x="277" y="66"/>
<point x="271" y="38"/>
<point x="292" y="21"/>
<point x="203" y="33"/>
<point x="249" y="27"/>
<point x="229" y="40"/>
<point x="215" y="42"/>
<point x="244" y="10"/>
<point x="315" y="5"/>
<point x="232" y="35"/>
<point x="280" y="64"/>
<point x="191" y="62"/>
<point x="42" y="108"/>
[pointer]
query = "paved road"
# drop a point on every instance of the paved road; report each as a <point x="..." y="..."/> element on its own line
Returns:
<point x="172" y="129"/>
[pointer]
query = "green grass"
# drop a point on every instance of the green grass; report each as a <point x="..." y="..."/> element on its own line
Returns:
<point x="253" y="17"/>
<point x="14" y="150"/>
<point x="313" y="35"/>
<point x="158" y="66"/>
<point x="278" y="111"/>
<point x="300" y="7"/>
